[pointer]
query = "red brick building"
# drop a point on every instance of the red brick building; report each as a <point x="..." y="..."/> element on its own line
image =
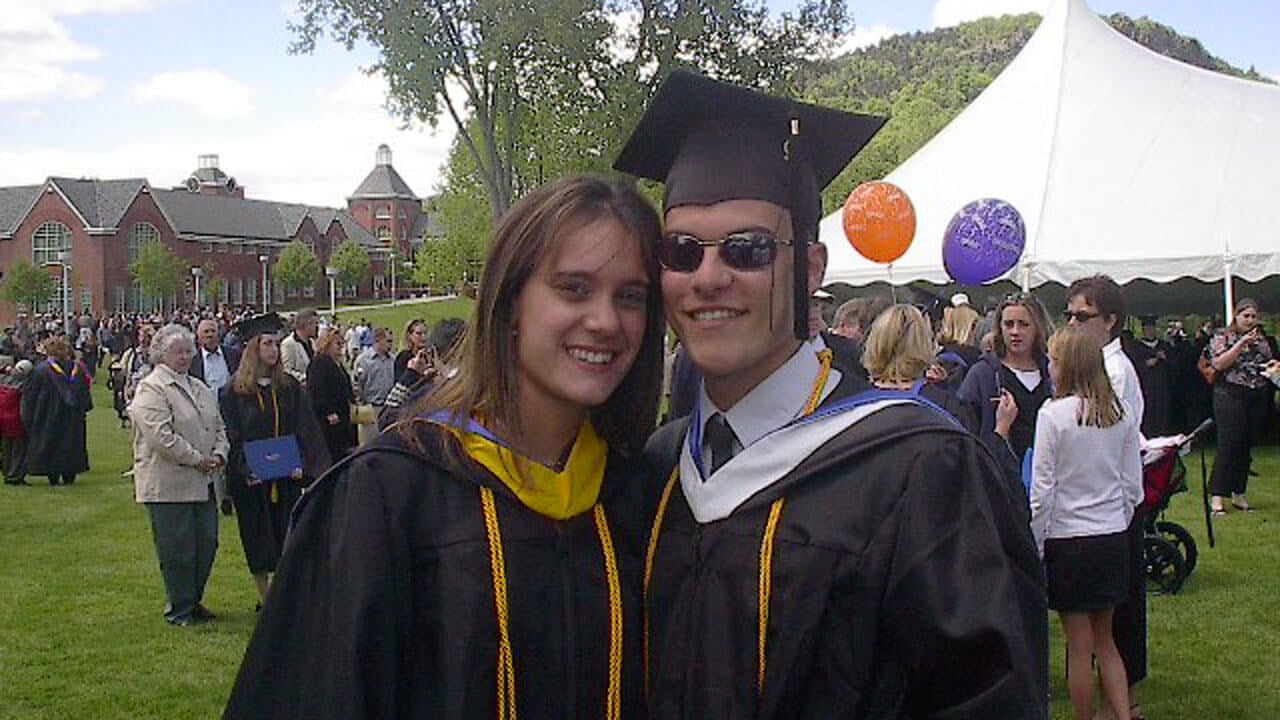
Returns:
<point x="207" y="222"/>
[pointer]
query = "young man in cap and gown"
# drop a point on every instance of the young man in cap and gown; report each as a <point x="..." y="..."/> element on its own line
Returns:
<point x="821" y="549"/>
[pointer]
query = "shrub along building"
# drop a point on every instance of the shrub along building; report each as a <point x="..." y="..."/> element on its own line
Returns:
<point x="208" y="223"/>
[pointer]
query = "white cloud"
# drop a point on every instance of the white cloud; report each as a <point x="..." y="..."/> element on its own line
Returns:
<point x="36" y="48"/>
<point x="34" y="51"/>
<point x="953" y="12"/>
<point x="208" y="92"/>
<point x="864" y="37"/>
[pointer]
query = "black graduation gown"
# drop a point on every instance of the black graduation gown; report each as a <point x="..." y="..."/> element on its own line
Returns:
<point x="262" y="519"/>
<point x="904" y="585"/>
<point x="330" y="388"/>
<point x="384" y="605"/>
<point x="1156" y="383"/>
<point x="53" y="411"/>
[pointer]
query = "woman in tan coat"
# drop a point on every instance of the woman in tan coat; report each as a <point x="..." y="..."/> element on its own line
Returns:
<point x="180" y="448"/>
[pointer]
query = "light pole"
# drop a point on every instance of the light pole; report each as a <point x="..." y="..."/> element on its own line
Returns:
<point x="331" y="272"/>
<point x="196" y="274"/>
<point x="391" y="259"/>
<point x="263" y="259"/>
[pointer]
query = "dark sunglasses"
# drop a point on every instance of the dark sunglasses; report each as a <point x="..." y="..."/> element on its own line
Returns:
<point x="748" y="250"/>
<point x="1080" y="316"/>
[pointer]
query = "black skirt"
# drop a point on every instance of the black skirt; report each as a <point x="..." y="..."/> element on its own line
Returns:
<point x="1088" y="573"/>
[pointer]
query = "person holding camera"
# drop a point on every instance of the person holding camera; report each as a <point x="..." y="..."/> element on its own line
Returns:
<point x="180" y="448"/>
<point x="1241" y="402"/>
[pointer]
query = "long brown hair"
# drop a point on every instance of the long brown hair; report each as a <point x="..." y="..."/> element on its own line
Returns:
<point x="1039" y="319"/>
<point x="485" y="381"/>
<point x="1076" y="355"/>
<point x="245" y="380"/>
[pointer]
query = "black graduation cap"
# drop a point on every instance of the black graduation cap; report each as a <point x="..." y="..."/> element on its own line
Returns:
<point x="711" y="141"/>
<point x="252" y="327"/>
<point x="1147" y="320"/>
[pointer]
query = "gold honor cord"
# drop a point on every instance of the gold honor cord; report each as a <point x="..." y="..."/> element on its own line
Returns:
<point x="506" y="663"/>
<point x="275" y="408"/>
<point x="613" y="703"/>
<point x="497" y="564"/>
<point x="648" y="566"/>
<point x="765" y="586"/>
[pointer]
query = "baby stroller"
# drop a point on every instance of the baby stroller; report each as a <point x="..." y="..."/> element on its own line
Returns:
<point x="1168" y="548"/>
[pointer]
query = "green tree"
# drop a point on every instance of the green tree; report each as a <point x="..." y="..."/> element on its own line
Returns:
<point x="159" y="272"/>
<point x="538" y="88"/>
<point x="448" y="263"/>
<point x="351" y="261"/>
<point x="211" y="287"/>
<point x="25" y="284"/>
<point x="297" y="266"/>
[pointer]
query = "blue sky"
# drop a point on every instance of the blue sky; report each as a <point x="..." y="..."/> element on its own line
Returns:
<point x="139" y="88"/>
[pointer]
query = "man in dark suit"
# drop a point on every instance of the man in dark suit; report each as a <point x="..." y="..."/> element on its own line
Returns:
<point x="213" y="363"/>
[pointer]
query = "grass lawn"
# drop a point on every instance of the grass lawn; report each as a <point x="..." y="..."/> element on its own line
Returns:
<point x="82" y="636"/>
<point x="397" y="317"/>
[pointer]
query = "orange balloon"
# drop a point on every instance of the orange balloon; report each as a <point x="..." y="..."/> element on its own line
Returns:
<point x="879" y="221"/>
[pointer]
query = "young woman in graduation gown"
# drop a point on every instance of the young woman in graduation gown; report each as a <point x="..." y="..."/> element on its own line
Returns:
<point x="482" y="557"/>
<point x="263" y="401"/>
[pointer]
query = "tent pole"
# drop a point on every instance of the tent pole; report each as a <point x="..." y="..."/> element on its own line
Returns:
<point x="1026" y="277"/>
<point x="1228" y="296"/>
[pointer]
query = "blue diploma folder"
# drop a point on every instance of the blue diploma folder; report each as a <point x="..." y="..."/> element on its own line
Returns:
<point x="273" y="458"/>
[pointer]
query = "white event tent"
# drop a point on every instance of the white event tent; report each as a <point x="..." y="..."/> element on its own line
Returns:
<point x="1120" y="161"/>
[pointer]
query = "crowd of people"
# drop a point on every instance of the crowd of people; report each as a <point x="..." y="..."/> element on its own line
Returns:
<point x="197" y="388"/>
<point x="864" y="518"/>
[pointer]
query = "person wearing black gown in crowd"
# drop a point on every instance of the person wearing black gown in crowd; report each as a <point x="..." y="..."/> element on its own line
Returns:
<point x="55" y="401"/>
<point x="1153" y="359"/>
<point x="263" y="401"/>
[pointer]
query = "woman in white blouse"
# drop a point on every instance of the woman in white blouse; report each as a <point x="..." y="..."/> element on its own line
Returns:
<point x="1085" y="485"/>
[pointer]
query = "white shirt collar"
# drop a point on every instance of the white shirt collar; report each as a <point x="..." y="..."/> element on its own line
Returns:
<point x="1112" y="347"/>
<point x="776" y="401"/>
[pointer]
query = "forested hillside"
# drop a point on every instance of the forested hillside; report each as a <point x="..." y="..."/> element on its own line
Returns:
<point x="924" y="79"/>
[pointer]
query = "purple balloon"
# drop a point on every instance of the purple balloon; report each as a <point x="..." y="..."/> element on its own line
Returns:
<point x="983" y="241"/>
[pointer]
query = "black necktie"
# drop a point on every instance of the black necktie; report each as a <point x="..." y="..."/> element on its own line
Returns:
<point x="720" y="441"/>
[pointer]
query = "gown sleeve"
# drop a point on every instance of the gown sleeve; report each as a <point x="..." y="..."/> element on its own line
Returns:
<point x="964" y="653"/>
<point x="237" y="469"/>
<point x="315" y="451"/>
<point x="329" y="639"/>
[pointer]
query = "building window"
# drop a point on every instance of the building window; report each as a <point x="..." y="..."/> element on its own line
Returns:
<point x="119" y="296"/>
<point x="251" y="292"/>
<point x="86" y="300"/>
<point x="48" y="243"/>
<point x="383" y="213"/>
<point x="309" y="291"/>
<point x="206" y="247"/>
<point x="141" y="234"/>
<point x="237" y="290"/>
<point x="221" y="247"/>
<point x="48" y="240"/>
<point x="384" y="235"/>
